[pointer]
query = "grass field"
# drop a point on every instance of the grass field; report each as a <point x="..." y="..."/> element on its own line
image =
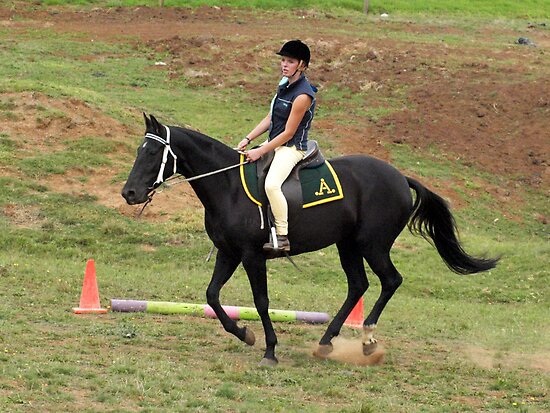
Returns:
<point x="492" y="9"/>
<point x="453" y="344"/>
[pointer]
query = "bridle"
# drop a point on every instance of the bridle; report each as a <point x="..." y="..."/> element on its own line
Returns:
<point x="167" y="150"/>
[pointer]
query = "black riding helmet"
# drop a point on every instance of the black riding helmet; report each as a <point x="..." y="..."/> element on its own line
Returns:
<point x="297" y="50"/>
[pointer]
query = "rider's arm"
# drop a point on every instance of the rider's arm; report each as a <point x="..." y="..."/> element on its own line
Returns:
<point x="260" y="128"/>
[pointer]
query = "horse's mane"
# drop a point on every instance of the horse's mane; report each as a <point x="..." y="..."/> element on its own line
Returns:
<point x="194" y="141"/>
<point x="204" y="141"/>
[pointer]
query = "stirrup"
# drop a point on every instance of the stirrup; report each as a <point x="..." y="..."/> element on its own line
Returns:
<point x="282" y="244"/>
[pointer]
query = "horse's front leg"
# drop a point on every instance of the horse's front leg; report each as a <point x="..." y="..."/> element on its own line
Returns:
<point x="223" y="270"/>
<point x="255" y="266"/>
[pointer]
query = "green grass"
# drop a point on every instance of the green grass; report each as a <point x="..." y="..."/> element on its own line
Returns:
<point x="491" y="9"/>
<point x="7" y="148"/>
<point x="454" y="344"/>
<point x="84" y="155"/>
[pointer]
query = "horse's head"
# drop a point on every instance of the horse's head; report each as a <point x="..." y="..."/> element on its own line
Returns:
<point x="153" y="163"/>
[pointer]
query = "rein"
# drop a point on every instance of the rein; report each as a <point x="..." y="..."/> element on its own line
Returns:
<point x="181" y="178"/>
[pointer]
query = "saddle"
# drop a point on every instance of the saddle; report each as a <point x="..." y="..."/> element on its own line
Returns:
<point x="311" y="182"/>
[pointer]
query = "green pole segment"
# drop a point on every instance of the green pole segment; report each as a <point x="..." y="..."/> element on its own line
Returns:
<point x="164" y="307"/>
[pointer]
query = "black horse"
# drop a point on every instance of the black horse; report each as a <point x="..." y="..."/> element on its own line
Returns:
<point x="376" y="207"/>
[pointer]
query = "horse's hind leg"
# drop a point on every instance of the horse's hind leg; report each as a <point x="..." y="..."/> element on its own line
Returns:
<point x="352" y="263"/>
<point x="223" y="270"/>
<point x="390" y="279"/>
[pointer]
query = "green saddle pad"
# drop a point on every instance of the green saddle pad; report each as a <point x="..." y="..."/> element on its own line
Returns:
<point x="319" y="185"/>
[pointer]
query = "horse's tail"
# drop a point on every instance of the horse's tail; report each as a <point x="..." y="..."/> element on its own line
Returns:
<point x="432" y="219"/>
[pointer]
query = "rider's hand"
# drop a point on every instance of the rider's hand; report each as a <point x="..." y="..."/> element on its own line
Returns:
<point x="254" y="154"/>
<point x="242" y="144"/>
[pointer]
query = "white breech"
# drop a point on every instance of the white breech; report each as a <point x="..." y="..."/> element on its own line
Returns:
<point x="286" y="157"/>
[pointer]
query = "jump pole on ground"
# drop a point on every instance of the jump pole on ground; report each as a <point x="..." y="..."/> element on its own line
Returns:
<point x="204" y="310"/>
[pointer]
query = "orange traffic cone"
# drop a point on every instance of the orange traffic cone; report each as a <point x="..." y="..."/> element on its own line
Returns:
<point x="355" y="318"/>
<point x="89" y="299"/>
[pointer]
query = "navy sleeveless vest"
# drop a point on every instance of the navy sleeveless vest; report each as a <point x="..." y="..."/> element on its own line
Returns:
<point x="281" y="106"/>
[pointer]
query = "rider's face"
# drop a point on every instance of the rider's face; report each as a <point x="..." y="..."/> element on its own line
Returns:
<point x="289" y="65"/>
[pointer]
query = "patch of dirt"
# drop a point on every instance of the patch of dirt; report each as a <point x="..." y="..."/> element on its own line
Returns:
<point x="23" y="216"/>
<point x="350" y="351"/>
<point x="482" y="105"/>
<point x="39" y="123"/>
<point x="99" y="185"/>
<point x="490" y="359"/>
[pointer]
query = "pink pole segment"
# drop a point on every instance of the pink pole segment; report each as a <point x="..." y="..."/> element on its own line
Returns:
<point x="232" y="311"/>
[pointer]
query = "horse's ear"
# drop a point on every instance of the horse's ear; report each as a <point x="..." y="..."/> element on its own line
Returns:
<point x="148" y="124"/>
<point x="156" y="124"/>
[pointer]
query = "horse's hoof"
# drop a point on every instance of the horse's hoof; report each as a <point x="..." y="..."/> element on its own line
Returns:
<point x="249" y="337"/>
<point x="369" y="348"/>
<point x="268" y="362"/>
<point x="323" y="350"/>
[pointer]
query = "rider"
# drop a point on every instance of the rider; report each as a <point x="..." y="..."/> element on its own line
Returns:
<point x="288" y="123"/>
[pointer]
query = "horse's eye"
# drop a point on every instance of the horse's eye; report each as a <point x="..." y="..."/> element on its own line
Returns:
<point x="140" y="148"/>
<point x="149" y="147"/>
<point x="153" y="148"/>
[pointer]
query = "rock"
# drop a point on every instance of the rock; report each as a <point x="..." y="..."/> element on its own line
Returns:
<point x="525" y="41"/>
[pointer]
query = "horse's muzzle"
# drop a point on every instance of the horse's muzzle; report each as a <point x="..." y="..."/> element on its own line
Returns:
<point x="132" y="198"/>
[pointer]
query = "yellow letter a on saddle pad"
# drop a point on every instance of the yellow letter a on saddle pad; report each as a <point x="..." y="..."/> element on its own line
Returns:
<point x="324" y="187"/>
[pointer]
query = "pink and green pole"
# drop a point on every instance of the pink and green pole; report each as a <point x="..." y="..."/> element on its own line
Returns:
<point x="204" y="310"/>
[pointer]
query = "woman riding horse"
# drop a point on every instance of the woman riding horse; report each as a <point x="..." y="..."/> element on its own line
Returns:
<point x="288" y="122"/>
